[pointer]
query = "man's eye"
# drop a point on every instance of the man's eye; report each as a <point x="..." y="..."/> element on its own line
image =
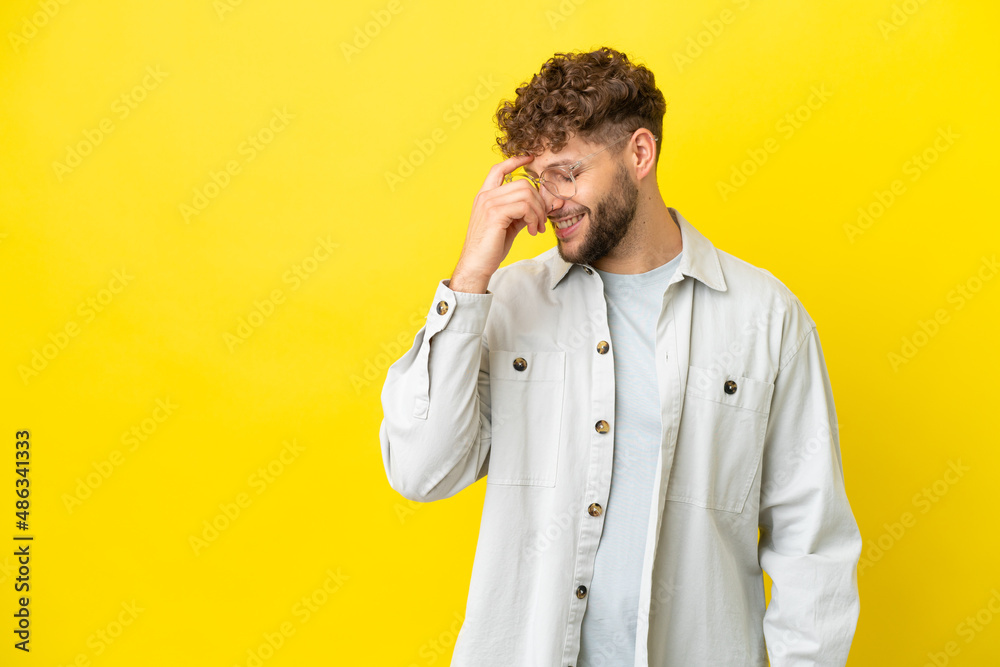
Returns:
<point x="557" y="176"/>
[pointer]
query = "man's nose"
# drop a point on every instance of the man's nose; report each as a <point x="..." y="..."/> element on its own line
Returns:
<point x="552" y="203"/>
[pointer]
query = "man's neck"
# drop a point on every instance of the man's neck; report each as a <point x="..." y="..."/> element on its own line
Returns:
<point x="653" y="240"/>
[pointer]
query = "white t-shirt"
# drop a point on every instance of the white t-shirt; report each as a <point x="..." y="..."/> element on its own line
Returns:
<point x="609" y="624"/>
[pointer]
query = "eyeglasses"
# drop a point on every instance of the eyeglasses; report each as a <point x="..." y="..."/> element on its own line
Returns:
<point x="561" y="181"/>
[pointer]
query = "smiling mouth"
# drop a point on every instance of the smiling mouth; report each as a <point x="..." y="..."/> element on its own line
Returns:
<point x="567" y="222"/>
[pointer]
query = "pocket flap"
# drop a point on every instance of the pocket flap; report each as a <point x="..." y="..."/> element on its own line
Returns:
<point x="747" y="393"/>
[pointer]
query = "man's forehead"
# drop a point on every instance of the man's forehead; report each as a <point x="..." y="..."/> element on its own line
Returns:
<point x="574" y="149"/>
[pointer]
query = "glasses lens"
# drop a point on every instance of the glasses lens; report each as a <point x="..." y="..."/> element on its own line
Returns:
<point x="520" y="174"/>
<point x="559" y="183"/>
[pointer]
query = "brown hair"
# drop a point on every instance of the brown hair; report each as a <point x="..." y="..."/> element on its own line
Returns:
<point x="598" y="96"/>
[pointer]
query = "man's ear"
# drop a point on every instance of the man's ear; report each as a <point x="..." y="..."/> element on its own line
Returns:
<point x="644" y="155"/>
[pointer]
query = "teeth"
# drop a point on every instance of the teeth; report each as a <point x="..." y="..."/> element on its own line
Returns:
<point x="568" y="223"/>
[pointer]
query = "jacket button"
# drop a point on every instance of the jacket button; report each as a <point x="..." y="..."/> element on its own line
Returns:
<point x="520" y="364"/>
<point x="442" y="307"/>
<point x="581" y="591"/>
<point x="602" y="347"/>
<point x="594" y="509"/>
<point x="730" y="387"/>
<point x="601" y="426"/>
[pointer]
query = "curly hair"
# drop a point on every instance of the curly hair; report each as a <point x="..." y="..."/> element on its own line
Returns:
<point x="598" y="96"/>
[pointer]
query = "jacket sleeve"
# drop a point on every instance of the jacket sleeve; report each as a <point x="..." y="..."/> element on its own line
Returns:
<point x="809" y="540"/>
<point x="435" y="431"/>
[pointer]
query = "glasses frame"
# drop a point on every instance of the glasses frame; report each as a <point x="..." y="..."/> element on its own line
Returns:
<point x="567" y="170"/>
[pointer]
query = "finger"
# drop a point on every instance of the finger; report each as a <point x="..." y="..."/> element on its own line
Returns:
<point x="517" y="210"/>
<point x="532" y="212"/>
<point x="513" y="230"/>
<point x="496" y="174"/>
<point x="538" y="205"/>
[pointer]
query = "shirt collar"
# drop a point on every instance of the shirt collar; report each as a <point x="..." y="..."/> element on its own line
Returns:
<point x="699" y="258"/>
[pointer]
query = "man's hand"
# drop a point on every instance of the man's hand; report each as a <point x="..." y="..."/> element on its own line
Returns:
<point x="499" y="211"/>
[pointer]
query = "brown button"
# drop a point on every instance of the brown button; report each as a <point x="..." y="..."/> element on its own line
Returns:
<point x="442" y="307"/>
<point x="520" y="364"/>
<point x="581" y="591"/>
<point x="587" y="269"/>
<point x="601" y="426"/>
<point x="730" y="387"/>
<point x="602" y="347"/>
<point x="594" y="509"/>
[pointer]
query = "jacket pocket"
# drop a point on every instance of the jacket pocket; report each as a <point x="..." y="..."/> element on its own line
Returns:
<point x="720" y="439"/>
<point x="526" y="397"/>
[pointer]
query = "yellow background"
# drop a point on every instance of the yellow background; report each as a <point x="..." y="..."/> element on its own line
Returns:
<point x="309" y="373"/>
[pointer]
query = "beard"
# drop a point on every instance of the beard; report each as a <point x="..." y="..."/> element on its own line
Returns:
<point x="609" y="224"/>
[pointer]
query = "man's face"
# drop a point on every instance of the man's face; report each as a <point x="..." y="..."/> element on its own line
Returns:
<point x="606" y="196"/>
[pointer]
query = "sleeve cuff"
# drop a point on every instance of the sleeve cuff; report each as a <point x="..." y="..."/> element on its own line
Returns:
<point x="462" y="312"/>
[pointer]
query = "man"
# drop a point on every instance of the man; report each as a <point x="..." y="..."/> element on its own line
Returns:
<point x="640" y="403"/>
